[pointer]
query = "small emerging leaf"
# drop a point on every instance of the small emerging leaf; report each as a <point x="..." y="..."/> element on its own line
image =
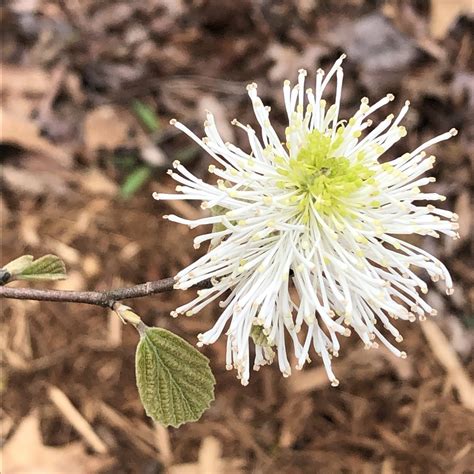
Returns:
<point x="19" y="264"/>
<point x="175" y="382"/>
<point x="126" y="314"/>
<point x="47" y="267"/>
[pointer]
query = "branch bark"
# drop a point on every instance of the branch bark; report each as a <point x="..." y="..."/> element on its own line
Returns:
<point x="105" y="299"/>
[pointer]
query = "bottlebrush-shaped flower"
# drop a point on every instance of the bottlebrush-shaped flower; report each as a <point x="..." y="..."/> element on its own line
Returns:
<point x="307" y="234"/>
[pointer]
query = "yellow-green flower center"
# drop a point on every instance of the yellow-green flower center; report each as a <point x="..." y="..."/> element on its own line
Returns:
<point x="321" y="176"/>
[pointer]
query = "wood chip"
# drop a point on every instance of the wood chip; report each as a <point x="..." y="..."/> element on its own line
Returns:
<point x="463" y="209"/>
<point x="209" y="459"/>
<point x="308" y="380"/>
<point x="139" y="435"/>
<point x="96" y="182"/>
<point x="445" y="12"/>
<point x="80" y="424"/>
<point x="448" y="358"/>
<point x="163" y="444"/>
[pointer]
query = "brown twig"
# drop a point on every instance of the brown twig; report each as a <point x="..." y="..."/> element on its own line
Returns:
<point x="98" y="298"/>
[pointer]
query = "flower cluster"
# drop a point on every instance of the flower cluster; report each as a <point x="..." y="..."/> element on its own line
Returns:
<point x="306" y="237"/>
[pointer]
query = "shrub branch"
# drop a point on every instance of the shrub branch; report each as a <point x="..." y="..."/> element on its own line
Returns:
<point x="105" y="299"/>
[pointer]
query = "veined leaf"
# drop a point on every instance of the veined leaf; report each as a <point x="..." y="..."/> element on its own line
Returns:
<point x="175" y="382"/>
<point x="47" y="267"/>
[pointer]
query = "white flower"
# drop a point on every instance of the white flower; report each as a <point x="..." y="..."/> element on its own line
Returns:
<point x="306" y="237"/>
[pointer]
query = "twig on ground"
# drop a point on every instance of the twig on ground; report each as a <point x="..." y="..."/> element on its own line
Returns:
<point x="448" y="358"/>
<point x="77" y="420"/>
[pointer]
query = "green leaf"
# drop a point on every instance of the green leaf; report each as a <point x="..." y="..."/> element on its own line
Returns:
<point x="146" y="114"/>
<point x="174" y="380"/>
<point x="47" y="267"/>
<point x="134" y="181"/>
<point x="19" y="264"/>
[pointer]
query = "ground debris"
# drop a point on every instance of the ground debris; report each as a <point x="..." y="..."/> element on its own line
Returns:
<point x="71" y="136"/>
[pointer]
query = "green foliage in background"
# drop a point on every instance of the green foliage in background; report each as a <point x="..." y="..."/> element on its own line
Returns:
<point x="134" y="181"/>
<point x="146" y="115"/>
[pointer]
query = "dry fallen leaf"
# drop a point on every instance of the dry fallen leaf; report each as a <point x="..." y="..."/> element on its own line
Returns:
<point x="382" y="52"/>
<point x="95" y="182"/>
<point x="287" y="60"/>
<point x="24" y="80"/>
<point x="444" y="12"/>
<point x="24" y="133"/>
<point x="106" y="127"/>
<point x="25" y="453"/>
<point x="210" y="461"/>
<point x="36" y="182"/>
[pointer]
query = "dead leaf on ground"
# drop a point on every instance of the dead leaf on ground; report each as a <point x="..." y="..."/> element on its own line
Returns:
<point x="25" y="453"/>
<point x="97" y="183"/>
<point x="445" y="12"/>
<point x="383" y="53"/>
<point x="23" y="132"/>
<point x="35" y="182"/>
<point x="24" y="80"/>
<point x="210" y="461"/>
<point x="106" y="127"/>
<point x="288" y="60"/>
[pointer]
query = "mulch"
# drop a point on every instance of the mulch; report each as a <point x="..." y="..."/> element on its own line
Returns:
<point x="80" y="161"/>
